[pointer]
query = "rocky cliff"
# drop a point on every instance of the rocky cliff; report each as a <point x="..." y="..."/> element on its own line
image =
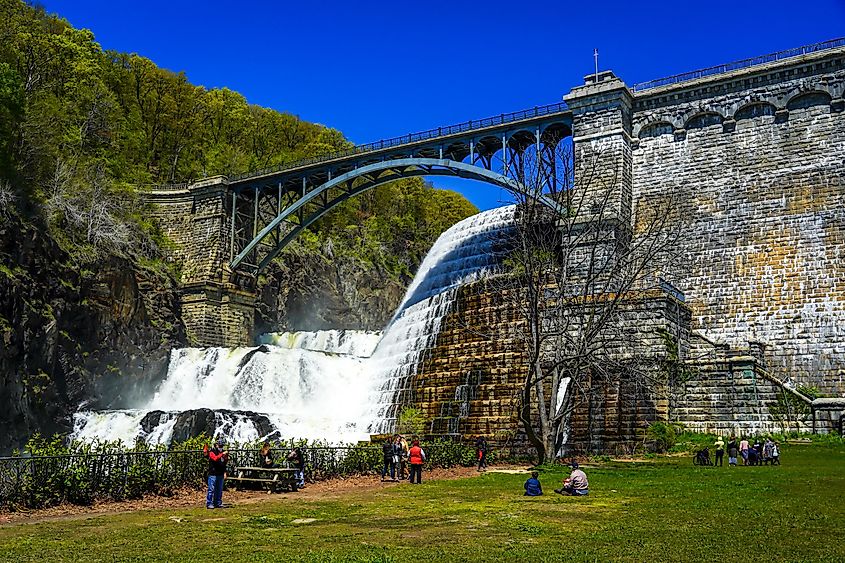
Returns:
<point x="322" y="291"/>
<point x="70" y="336"/>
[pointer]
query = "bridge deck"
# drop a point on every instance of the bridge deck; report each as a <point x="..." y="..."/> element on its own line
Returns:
<point x="380" y="150"/>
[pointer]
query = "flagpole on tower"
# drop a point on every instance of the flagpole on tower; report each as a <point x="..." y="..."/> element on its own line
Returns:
<point x="596" y="57"/>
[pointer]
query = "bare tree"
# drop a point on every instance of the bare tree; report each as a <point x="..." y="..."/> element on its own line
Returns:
<point x="87" y="208"/>
<point x="7" y="198"/>
<point x="571" y="273"/>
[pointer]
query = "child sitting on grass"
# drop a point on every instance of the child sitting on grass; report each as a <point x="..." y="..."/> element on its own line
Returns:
<point x="532" y="486"/>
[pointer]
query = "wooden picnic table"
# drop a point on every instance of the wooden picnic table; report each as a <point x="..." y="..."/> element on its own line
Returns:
<point x="274" y="478"/>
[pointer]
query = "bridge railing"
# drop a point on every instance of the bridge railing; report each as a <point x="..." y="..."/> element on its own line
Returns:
<point x="736" y="65"/>
<point x="471" y="125"/>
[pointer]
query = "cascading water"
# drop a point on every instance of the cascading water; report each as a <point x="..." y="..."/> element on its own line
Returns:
<point x="295" y="385"/>
<point x="464" y="253"/>
<point x="330" y="385"/>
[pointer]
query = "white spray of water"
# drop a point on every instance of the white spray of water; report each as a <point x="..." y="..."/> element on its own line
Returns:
<point x="320" y="385"/>
<point x="464" y="253"/>
<point x="309" y="385"/>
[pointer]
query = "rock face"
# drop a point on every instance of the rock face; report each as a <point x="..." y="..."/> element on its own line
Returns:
<point x="194" y="422"/>
<point x="322" y="292"/>
<point x="68" y="336"/>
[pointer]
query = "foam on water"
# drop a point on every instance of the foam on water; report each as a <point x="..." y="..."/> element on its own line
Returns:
<point x="331" y="385"/>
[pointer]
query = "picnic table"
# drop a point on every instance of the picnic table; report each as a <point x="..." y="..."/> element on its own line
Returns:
<point x="274" y="478"/>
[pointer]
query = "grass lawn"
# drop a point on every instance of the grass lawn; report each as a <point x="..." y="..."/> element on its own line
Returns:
<point x="665" y="510"/>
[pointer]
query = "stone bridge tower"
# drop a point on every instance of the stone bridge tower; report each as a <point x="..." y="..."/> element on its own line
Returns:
<point x="217" y="311"/>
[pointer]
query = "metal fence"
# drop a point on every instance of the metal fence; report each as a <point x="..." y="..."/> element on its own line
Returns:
<point x="40" y="481"/>
<point x="736" y="65"/>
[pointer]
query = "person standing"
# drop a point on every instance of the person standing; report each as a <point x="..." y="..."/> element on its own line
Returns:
<point x="767" y="451"/>
<point x="733" y="449"/>
<point x="297" y="458"/>
<point x="481" y="452"/>
<point x="389" y="449"/>
<point x="775" y="454"/>
<point x="720" y="451"/>
<point x="758" y="449"/>
<point x="403" y="456"/>
<point x="743" y="451"/>
<point x="217" y="459"/>
<point x="416" y="456"/>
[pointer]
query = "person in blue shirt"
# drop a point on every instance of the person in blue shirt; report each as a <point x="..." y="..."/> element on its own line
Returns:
<point x="532" y="486"/>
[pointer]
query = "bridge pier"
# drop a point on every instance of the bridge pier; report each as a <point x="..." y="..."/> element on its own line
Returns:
<point x="218" y="309"/>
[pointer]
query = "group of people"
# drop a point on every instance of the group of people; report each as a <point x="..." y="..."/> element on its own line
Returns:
<point x="294" y="457"/>
<point x="765" y="453"/>
<point x="218" y="458"/>
<point x="398" y="457"/>
<point x="575" y="485"/>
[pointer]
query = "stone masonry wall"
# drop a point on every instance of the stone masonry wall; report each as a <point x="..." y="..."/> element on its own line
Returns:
<point x="755" y="163"/>
<point x="469" y="382"/>
<point x="728" y="392"/>
<point x="216" y="312"/>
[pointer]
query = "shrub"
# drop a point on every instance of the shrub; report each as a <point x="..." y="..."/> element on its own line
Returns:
<point x="410" y="422"/>
<point x="662" y="435"/>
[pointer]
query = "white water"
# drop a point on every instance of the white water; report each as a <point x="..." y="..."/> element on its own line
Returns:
<point x="329" y="385"/>
<point x="464" y="253"/>
<point x="310" y="385"/>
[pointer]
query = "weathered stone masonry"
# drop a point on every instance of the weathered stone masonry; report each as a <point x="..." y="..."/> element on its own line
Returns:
<point x="755" y="160"/>
<point x="215" y="310"/>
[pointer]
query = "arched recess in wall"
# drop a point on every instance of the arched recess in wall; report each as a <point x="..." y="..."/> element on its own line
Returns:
<point x="702" y="120"/>
<point x="806" y="100"/>
<point x="656" y="129"/>
<point x="755" y="109"/>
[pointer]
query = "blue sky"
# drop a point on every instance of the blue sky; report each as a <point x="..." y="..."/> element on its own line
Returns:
<point x="381" y="69"/>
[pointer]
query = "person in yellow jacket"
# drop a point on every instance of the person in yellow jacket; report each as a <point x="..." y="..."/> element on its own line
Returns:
<point x="720" y="451"/>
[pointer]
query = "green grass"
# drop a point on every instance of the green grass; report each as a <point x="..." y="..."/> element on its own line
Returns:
<point x="665" y="510"/>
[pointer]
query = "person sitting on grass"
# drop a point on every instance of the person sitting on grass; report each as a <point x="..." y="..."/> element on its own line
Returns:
<point x="532" y="486"/>
<point x="576" y="484"/>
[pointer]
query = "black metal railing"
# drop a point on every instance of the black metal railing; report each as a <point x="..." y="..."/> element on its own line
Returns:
<point x="736" y="65"/>
<point x="39" y="481"/>
<point x="471" y="125"/>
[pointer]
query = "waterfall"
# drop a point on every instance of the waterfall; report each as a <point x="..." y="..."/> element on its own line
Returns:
<point x="331" y="385"/>
<point x="464" y="253"/>
<point x="294" y="385"/>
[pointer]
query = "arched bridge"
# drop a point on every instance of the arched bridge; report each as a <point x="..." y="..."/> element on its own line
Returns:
<point x="268" y="208"/>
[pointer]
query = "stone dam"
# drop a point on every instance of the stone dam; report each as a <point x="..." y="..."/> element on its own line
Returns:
<point x="754" y="159"/>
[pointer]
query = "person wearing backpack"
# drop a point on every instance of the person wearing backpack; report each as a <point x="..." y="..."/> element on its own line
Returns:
<point x="416" y="456"/>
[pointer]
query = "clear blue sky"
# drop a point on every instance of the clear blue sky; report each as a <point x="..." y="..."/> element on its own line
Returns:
<point x="380" y="69"/>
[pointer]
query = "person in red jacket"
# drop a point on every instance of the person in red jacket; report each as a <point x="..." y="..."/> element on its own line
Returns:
<point x="217" y="458"/>
<point x="416" y="456"/>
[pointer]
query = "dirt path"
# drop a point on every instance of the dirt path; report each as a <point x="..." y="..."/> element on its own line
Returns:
<point x="194" y="498"/>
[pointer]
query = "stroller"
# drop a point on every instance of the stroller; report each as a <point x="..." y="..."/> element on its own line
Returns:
<point x="702" y="457"/>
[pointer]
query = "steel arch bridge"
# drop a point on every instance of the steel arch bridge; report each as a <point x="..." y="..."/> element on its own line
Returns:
<point x="268" y="208"/>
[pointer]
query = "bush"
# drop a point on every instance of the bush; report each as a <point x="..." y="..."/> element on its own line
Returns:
<point x="411" y="422"/>
<point x="662" y="436"/>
